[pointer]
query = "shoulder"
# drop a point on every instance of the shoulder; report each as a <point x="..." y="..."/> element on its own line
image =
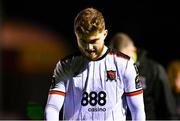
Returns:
<point x="71" y="56"/>
<point x="68" y="60"/>
<point x="66" y="65"/>
<point x="118" y="54"/>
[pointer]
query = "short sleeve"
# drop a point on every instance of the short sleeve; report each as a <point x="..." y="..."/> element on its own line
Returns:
<point x="61" y="74"/>
<point x="131" y="78"/>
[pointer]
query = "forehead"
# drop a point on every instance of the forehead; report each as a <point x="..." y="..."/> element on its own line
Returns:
<point x="90" y="36"/>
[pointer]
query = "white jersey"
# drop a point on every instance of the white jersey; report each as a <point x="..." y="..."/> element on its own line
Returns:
<point x="96" y="90"/>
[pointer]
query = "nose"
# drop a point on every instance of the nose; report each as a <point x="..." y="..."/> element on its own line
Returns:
<point x="89" y="46"/>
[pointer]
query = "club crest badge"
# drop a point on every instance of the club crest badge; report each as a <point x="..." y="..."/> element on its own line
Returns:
<point x="111" y="75"/>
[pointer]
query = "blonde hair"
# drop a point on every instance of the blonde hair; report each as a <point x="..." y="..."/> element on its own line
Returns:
<point x="120" y="41"/>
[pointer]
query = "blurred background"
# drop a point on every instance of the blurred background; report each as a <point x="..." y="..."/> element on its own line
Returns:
<point x="36" y="34"/>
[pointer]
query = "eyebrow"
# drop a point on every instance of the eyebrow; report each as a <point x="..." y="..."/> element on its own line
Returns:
<point x="91" y="41"/>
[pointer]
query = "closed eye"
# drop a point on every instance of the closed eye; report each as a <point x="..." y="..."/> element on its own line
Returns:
<point x="90" y="42"/>
<point x="93" y="41"/>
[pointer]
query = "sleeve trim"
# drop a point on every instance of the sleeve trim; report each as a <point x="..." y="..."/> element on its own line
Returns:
<point x="57" y="92"/>
<point x="134" y="93"/>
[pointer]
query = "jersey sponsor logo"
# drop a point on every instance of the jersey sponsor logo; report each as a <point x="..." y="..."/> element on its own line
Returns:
<point x="97" y="109"/>
<point x="111" y="75"/>
<point x="94" y="98"/>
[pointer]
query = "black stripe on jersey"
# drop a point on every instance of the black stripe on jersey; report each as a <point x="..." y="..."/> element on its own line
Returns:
<point x="118" y="53"/>
<point x="69" y="57"/>
<point x="67" y="64"/>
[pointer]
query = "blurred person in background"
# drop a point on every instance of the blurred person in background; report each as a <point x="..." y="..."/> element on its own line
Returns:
<point x="173" y="71"/>
<point x="158" y="98"/>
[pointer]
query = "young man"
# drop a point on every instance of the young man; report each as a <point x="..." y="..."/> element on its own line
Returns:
<point x="158" y="98"/>
<point x="98" y="83"/>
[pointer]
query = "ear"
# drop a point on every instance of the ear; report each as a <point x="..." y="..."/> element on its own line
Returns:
<point x="105" y="32"/>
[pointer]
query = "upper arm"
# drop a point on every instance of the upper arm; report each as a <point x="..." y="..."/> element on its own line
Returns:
<point x="133" y="91"/>
<point x="131" y="78"/>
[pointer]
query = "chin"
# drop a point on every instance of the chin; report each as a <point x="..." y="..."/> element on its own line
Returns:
<point x="92" y="58"/>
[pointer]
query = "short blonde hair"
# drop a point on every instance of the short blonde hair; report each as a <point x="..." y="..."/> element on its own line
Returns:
<point x="120" y="41"/>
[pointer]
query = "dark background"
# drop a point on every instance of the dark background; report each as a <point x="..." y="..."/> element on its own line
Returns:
<point x="153" y="25"/>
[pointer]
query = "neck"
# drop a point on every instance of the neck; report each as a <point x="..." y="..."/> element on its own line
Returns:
<point x="104" y="51"/>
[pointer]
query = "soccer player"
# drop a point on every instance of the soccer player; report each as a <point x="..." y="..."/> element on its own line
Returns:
<point x="98" y="83"/>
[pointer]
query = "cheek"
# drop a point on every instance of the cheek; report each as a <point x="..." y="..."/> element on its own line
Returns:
<point x="99" y="45"/>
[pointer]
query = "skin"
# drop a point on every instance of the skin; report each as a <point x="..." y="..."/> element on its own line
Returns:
<point x="92" y="45"/>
